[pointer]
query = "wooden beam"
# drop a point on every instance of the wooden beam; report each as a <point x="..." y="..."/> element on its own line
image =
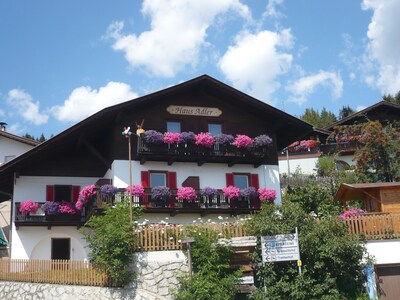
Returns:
<point x="372" y="196"/>
<point x="95" y="152"/>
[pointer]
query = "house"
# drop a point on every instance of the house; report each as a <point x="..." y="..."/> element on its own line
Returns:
<point x="11" y="146"/>
<point x="303" y="155"/>
<point x="95" y="151"/>
<point x="380" y="227"/>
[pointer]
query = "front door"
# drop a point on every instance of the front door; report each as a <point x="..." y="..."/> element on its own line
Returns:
<point x="60" y="248"/>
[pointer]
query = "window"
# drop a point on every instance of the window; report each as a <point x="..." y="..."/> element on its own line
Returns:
<point x="241" y="181"/>
<point x="60" y="248"/>
<point x="68" y="193"/>
<point x="158" y="179"/>
<point x="214" y="129"/>
<point x="174" y="127"/>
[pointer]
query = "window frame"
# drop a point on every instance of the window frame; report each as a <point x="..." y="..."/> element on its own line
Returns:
<point x="165" y="173"/>
<point x="175" y="122"/>
<point x="216" y="124"/>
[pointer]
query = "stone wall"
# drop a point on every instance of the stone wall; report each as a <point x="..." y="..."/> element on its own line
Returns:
<point x="156" y="280"/>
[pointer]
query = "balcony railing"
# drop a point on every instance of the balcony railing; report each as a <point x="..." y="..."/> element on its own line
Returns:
<point x="375" y="226"/>
<point x="341" y="147"/>
<point x="202" y="204"/>
<point x="219" y="153"/>
<point x="41" y="219"/>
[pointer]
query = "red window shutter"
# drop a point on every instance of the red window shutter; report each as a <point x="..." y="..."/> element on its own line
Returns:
<point x="172" y="180"/>
<point x="49" y="192"/>
<point x="145" y="179"/>
<point x="75" y="193"/>
<point x="229" y="179"/>
<point x="254" y="181"/>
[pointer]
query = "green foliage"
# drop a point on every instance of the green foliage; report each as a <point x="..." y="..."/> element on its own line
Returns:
<point x="212" y="278"/>
<point x="111" y="240"/>
<point x="317" y="119"/>
<point x="345" y="111"/>
<point x="325" y="165"/>
<point x="379" y="157"/>
<point x="332" y="267"/>
<point x="395" y="99"/>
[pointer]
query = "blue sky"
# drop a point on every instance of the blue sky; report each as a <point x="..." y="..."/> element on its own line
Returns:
<point x="61" y="61"/>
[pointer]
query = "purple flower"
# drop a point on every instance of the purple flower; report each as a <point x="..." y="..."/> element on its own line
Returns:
<point x="262" y="140"/>
<point x="208" y="192"/>
<point x="248" y="192"/>
<point x="51" y="207"/>
<point x="223" y="138"/>
<point x="153" y="137"/>
<point x="108" y="190"/>
<point x="187" y="137"/>
<point x="160" y="192"/>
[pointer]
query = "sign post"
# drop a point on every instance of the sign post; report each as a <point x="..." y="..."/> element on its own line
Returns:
<point x="281" y="247"/>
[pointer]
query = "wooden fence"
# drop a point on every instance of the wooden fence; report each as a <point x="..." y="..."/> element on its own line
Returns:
<point x="66" y="272"/>
<point x="375" y="226"/>
<point x="159" y="237"/>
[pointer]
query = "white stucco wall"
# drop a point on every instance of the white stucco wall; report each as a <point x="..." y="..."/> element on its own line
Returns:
<point x="10" y="147"/>
<point x="305" y="165"/>
<point x="35" y="242"/>
<point x="348" y="159"/>
<point x="385" y="251"/>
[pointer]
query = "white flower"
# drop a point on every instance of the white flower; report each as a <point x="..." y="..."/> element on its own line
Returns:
<point x="220" y="218"/>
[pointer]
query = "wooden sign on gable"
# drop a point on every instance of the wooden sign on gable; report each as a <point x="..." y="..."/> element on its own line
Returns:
<point x="194" y="111"/>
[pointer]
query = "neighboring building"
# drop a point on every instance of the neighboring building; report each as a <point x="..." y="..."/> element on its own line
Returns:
<point x="94" y="151"/>
<point x="380" y="226"/>
<point x="298" y="157"/>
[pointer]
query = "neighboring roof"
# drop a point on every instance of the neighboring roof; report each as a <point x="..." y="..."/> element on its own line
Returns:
<point x="18" y="138"/>
<point x="321" y="130"/>
<point x="355" y="191"/>
<point x="3" y="241"/>
<point x="288" y="128"/>
<point x="362" y="114"/>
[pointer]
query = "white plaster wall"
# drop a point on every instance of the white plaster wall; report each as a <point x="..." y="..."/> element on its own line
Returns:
<point x="10" y="147"/>
<point x="385" y="251"/>
<point x="34" y="187"/>
<point x="35" y="242"/>
<point x="348" y="159"/>
<point x="306" y="165"/>
<point x="212" y="175"/>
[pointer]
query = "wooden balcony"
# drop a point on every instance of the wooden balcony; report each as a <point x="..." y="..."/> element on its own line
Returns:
<point x="219" y="153"/>
<point x="343" y="147"/>
<point x="41" y="219"/>
<point x="217" y="204"/>
<point x="375" y="226"/>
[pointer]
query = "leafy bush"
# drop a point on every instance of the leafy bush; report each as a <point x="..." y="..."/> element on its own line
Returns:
<point x="325" y="165"/>
<point x="111" y="241"/>
<point x="212" y="278"/>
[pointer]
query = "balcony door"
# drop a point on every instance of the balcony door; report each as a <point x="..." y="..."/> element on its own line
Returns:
<point x="61" y="248"/>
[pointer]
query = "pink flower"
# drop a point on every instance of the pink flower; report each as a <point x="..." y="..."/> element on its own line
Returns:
<point x="242" y="141"/>
<point x="186" y="193"/>
<point x="354" y="212"/>
<point x="172" y="138"/>
<point x="267" y="195"/>
<point x="87" y="192"/>
<point x="204" y="139"/>
<point x="135" y="190"/>
<point x="67" y="208"/>
<point x="28" y="206"/>
<point x="231" y="192"/>
<point x="79" y="205"/>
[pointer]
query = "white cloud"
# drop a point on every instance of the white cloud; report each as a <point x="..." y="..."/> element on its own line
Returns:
<point x="254" y="62"/>
<point x="84" y="101"/>
<point x="384" y="42"/>
<point x="16" y="128"/>
<point x="23" y="104"/>
<point x="306" y="85"/>
<point x="178" y="31"/>
<point x="271" y="10"/>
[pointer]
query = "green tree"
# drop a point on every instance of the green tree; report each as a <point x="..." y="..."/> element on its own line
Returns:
<point x="345" y="111"/>
<point x="41" y="139"/>
<point x="112" y="241"/>
<point x="28" y="136"/>
<point x="212" y="277"/>
<point x="332" y="259"/>
<point x="317" y="119"/>
<point x="395" y="99"/>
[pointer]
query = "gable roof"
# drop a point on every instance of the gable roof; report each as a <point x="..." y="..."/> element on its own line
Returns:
<point x="18" y="138"/>
<point x="362" y="115"/>
<point x="287" y="127"/>
<point x="357" y="190"/>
